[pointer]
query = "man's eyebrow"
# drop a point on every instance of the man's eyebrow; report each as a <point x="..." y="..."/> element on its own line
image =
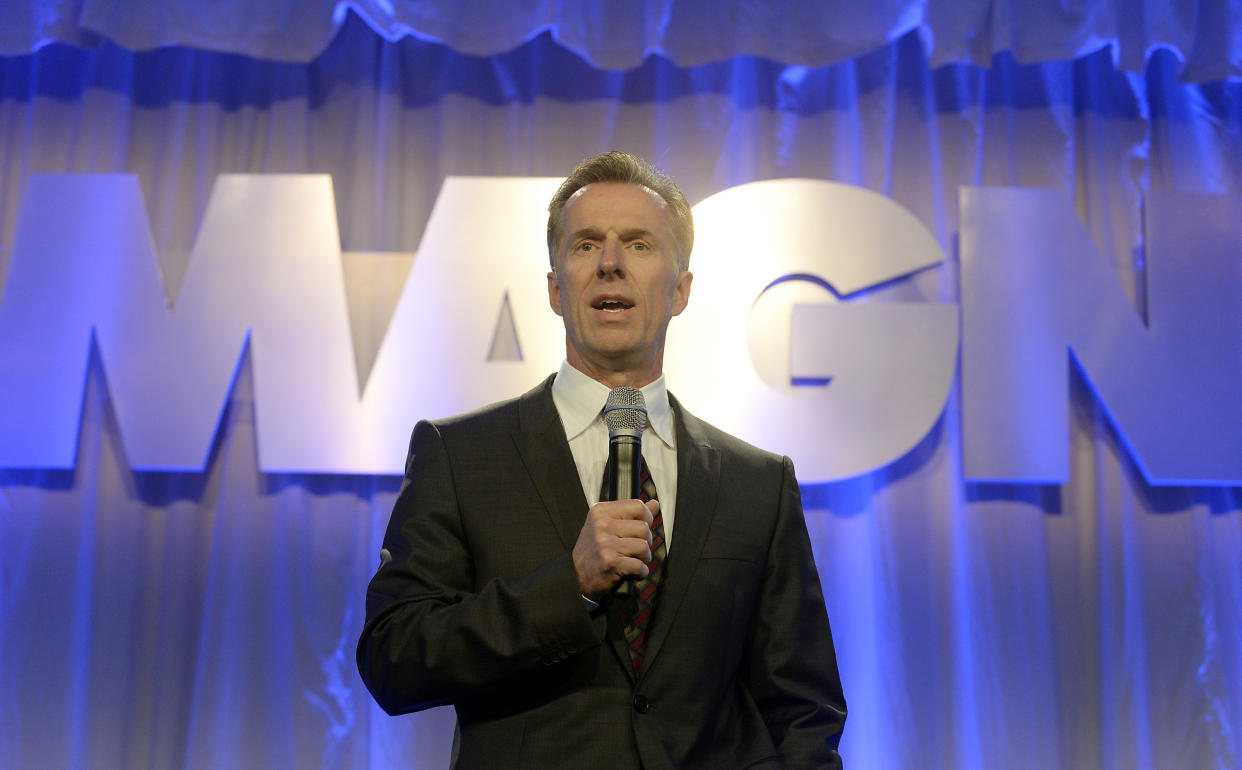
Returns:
<point x="595" y="234"/>
<point x="636" y="233"/>
<point x="590" y="233"/>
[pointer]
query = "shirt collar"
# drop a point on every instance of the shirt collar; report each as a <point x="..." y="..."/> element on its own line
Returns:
<point x="580" y="402"/>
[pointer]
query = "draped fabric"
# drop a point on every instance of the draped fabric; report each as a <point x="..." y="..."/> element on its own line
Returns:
<point x="208" y="619"/>
<point x="618" y="36"/>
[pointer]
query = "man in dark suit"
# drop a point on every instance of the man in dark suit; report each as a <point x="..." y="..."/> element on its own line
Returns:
<point x="498" y="593"/>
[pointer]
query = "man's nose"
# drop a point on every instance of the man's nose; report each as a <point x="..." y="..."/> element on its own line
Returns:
<point x="611" y="258"/>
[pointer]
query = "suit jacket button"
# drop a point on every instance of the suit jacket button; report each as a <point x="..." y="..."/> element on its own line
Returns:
<point x="641" y="704"/>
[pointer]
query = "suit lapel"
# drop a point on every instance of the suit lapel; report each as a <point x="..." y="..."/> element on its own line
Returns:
<point x="698" y="481"/>
<point x="541" y="443"/>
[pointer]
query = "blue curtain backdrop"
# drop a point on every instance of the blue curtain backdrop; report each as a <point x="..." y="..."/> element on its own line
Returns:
<point x="208" y="620"/>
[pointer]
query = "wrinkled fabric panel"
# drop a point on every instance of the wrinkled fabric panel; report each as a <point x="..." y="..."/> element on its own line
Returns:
<point x="1204" y="35"/>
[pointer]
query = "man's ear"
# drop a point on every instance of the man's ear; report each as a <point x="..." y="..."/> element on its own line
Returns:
<point x="681" y="291"/>
<point x="554" y="293"/>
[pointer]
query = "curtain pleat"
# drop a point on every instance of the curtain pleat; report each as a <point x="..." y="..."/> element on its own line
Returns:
<point x="620" y="36"/>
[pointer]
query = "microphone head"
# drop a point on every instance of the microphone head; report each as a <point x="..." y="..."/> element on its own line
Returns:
<point x="625" y="410"/>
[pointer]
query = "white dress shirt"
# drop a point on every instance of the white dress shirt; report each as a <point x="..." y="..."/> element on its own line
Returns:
<point x="580" y="402"/>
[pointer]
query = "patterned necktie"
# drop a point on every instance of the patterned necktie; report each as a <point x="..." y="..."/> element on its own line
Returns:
<point x="636" y="611"/>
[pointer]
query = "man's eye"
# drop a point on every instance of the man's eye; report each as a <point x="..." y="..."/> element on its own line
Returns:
<point x="586" y="246"/>
<point x="639" y="246"/>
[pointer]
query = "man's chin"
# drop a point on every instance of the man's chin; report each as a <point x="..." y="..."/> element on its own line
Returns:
<point x="613" y="347"/>
<point x="614" y="359"/>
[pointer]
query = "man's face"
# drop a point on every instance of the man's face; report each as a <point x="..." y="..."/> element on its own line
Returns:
<point x="617" y="282"/>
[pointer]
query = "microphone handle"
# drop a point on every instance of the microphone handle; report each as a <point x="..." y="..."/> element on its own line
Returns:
<point x="625" y="451"/>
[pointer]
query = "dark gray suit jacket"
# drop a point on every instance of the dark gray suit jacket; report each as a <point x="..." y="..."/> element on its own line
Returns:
<point x="480" y="608"/>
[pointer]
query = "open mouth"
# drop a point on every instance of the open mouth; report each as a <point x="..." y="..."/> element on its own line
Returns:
<point x="611" y="304"/>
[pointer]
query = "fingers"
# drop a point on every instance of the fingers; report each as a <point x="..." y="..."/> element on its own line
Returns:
<point x="626" y="509"/>
<point x="615" y="542"/>
<point x="627" y="519"/>
<point x="620" y="537"/>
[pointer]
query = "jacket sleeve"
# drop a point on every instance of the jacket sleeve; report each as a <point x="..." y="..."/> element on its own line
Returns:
<point x="432" y="636"/>
<point x="791" y="665"/>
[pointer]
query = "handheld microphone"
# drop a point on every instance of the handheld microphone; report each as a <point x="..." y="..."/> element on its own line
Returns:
<point x="625" y="413"/>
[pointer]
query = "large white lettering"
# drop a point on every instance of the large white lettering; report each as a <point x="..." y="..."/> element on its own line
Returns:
<point x="794" y="337"/>
<point x="887" y="366"/>
<point x="267" y="266"/>
<point x="1035" y="287"/>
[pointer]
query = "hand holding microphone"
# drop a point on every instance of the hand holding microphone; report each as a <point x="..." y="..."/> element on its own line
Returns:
<point x="615" y="541"/>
